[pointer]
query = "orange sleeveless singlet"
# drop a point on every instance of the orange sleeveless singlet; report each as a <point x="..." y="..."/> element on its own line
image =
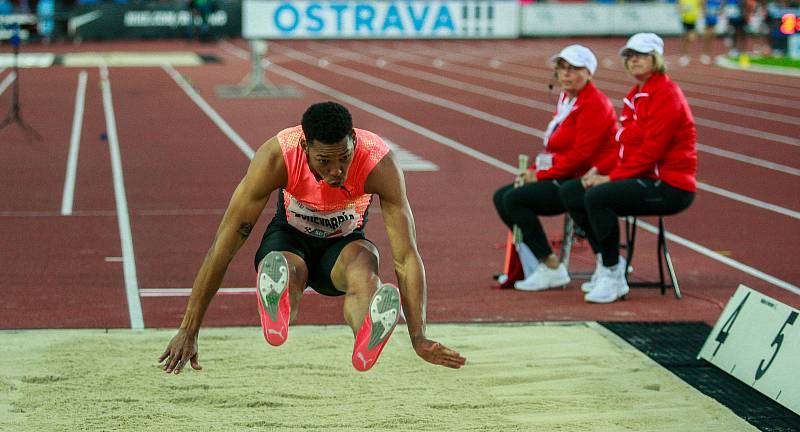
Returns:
<point x="317" y="209"/>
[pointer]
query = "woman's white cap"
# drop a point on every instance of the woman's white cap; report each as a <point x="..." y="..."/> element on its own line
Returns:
<point x="578" y="56"/>
<point x="644" y="43"/>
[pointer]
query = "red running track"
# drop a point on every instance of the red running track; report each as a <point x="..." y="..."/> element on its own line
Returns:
<point x="179" y="169"/>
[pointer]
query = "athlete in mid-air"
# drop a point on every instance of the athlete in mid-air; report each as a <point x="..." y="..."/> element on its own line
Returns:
<point x="325" y="172"/>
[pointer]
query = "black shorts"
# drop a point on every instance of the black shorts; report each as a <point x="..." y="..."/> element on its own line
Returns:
<point x="319" y="254"/>
<point x="689" y="26"/>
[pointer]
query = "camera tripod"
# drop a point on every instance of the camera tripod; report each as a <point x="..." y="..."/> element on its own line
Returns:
<point x="14" y="115"/>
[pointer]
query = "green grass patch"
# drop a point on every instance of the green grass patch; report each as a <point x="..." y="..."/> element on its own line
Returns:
<point x="772" y="61"/>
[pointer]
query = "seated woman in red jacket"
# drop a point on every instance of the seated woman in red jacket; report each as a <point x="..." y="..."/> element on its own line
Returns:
<point x="656" y="173"/>
<point x="580" y="136"/>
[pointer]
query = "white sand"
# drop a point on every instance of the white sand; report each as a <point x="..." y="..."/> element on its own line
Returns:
<point x="518" y="378"/>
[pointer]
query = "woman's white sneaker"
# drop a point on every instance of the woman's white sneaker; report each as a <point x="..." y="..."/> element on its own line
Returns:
<point x="544" y="278"/>
<point x="610" y="285"/>
<point x="589" y="286"/>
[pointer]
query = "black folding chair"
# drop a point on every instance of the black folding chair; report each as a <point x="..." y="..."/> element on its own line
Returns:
<point x="662" y="254"/>
<point x="566" y="248"/>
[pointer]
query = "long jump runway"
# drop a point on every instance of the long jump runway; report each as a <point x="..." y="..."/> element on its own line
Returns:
<point x="105" y="221"/>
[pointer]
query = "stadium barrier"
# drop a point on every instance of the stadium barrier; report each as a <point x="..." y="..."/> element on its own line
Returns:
<point x="388" y="19"/>
<point x="150" y="20"/>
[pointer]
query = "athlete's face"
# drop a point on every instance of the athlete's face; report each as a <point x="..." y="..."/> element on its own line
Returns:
<point x="571" y="79"/>
<point x="640" y="66"/>
<point x="331" y="161"/>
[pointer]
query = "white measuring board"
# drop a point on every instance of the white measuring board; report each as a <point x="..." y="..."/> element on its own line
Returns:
<point x="757" y="340"/>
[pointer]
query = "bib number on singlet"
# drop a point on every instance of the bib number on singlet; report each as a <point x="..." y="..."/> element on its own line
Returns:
<point x="321" y="224"/>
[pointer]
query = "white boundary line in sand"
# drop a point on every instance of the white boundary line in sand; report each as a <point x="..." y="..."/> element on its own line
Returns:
<point x="123" y="219"/>
<point x="74" y="146"/>
<point x="302" y="80"/>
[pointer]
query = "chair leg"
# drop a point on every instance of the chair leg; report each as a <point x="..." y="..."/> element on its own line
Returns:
<point x="566" y="242"/>
<point x="662" y="253"/>
<point x="659" y="253"/>
<point x="630" y="241"/>
<point x="673" y="277"/>
<point x="566" y="248"/>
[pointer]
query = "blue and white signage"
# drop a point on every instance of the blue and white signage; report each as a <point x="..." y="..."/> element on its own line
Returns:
<point x="406" y="19"/>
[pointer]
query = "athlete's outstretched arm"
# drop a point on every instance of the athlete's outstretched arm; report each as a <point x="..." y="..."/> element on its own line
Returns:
<point x="386" y="180"/>
<point x="266" y="173"/>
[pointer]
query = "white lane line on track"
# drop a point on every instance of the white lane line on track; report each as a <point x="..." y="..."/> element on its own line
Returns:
<point x="35" y="213"/>
<point x="210" y="112"/>
<point x="532" y="103"/>
<point x="123" y="219"/>
<point x="7" y="82"/>
<point x="753" y="133"/>
<point x="74" y="146"/>
<point x="186" y="292"/>
<point x="416" y="94"/>
<point x="748" y="159"/>
<point x="703" y="89"/>
<point x="749" y="112"/>
<point x="612" y="62"/>
<point x="302" y="80"/>
<point x="723" y="259"/>
<point x="747" y="200"/>
<point x="604" y="85"/>
<point x="461" y="108"/>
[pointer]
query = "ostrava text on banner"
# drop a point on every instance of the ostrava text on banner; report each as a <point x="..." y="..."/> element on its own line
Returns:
<point x="270" y="19"/>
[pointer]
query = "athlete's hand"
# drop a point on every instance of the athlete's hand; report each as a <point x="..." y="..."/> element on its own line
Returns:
<point x="438" y="354"/>
<point x="181" y="349"/>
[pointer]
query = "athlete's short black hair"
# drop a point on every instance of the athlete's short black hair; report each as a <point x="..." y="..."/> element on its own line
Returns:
<point x="326" y="122"/>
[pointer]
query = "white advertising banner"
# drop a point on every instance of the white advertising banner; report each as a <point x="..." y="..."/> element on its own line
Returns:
<point x="592" y="19"/>
<point x="402" y="19"/>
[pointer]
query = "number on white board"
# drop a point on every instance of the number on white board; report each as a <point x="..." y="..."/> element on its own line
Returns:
<point x="726" y="328"/>
<point x="778" y="341"/>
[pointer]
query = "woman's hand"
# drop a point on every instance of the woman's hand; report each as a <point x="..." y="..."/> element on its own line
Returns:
<point x="592" y="178"/>
<point x="530" y="176"/>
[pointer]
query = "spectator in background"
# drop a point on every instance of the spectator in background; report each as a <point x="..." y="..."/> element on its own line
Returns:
<point x="690" y="11"/>
<point x="45" y="11"/>
<point x="711" y="10"/>
<point x="201" y="11"/>
<point x="6" y="7"/>
<point x="580" y="135"/>
<point x="739" y="13"/>
<point x="656" y="173"/>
